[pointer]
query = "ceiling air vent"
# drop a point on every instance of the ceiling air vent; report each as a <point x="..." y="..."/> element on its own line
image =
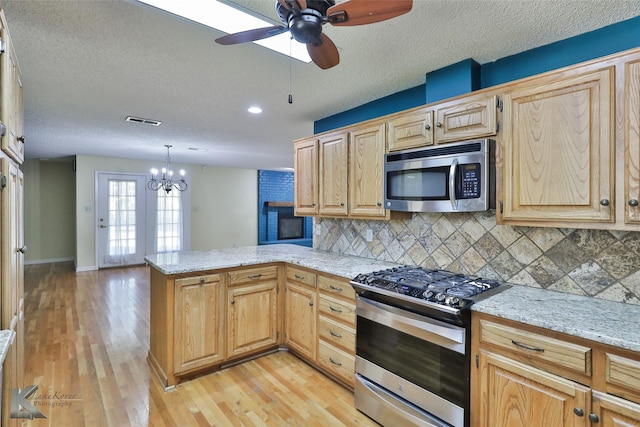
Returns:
<point x="143" y="121"/>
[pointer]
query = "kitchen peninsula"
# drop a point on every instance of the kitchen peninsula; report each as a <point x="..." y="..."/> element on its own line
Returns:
<point x="214" y="308"/>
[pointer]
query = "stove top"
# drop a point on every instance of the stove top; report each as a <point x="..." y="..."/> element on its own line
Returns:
<point x="438" y="289"/>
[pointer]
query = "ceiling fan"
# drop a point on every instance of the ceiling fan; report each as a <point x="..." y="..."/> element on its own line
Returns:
<point x="305" y="18"/>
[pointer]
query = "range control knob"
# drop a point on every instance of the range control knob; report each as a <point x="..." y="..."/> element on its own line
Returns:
<point x="427" y="294"/>
<point x="440" y="297"/>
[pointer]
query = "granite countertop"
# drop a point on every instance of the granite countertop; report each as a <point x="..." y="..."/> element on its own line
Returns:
<point x="586" y="317"/>
<point x="6" y="338"/>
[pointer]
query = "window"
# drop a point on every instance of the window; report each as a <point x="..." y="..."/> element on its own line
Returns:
<point x="169" y="224"/>
<point x="122" y="218"/>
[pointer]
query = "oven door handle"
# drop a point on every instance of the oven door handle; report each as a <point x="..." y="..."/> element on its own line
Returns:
<point x="452" y="184"/>
<point x="443" y="334"/>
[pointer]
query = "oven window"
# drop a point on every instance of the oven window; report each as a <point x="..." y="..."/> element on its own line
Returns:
<point x="434" y="368"/>
<point x="418" y="184"/>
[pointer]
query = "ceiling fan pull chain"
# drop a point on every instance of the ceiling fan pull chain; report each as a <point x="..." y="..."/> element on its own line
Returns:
<point x="290" y="60"/>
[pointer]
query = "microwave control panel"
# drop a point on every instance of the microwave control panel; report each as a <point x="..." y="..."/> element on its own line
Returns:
<point x="470" y="188"/>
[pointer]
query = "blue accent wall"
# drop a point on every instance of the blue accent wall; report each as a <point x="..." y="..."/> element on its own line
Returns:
<point x="274" y="186"/>
<point x="449" y="81"/>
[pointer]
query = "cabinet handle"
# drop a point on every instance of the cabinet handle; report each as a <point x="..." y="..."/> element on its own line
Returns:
<point x="335" y="310"/>
<point x="334" y="362"/>
<point x="594" y="418"/>
<point x="23" y="249"/>
<point x="578" y="411"/>
<point x="604" y="202"/>
<point x="310" y="303"/>
<point x="334" y="288"/>
<point x="255" y="276"/>
<point x="633" y="203"/>
<point x="333" y="334"/>
<point x="527" y="347"/>
<point x="427" y="127"/>
<point x="439" y="124"/>
<point x="297" y="276"/>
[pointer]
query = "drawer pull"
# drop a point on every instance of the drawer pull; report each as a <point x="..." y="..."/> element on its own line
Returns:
<point x="299" y="277"/>
<point x="202" y="280"/>
<point x="333" y="334"/>
<point x="527" y="347"/>
<point x="335" y="310"/>
<point x="594" y="418"/>
<point x="334" y="288"/>
<point x="310" y="303"/>
<point x="255" y="276"/>
<point x="334" y="362"/>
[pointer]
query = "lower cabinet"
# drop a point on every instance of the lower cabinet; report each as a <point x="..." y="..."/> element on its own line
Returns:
<point x="199" y="322"/>
<point x="252" y="321"/>
<point x="301" y="312"/>
<point x="527" y="376"/>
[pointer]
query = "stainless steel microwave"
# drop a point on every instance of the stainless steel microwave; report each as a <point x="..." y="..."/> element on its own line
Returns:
<point x="458" y="177"/>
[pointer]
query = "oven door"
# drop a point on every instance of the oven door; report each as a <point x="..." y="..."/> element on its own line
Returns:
<point x="420" y="362"/>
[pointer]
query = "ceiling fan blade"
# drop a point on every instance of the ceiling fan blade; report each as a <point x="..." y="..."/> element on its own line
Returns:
<point x="360" y="12"/>
<point x="252" y="35"/>
<point x="293" y="5"/>
<point x="323" y="52"/>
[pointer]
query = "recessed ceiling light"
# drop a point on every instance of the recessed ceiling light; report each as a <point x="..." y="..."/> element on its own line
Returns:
<point x="254" y="110"/>
<point x="228" y="19"/>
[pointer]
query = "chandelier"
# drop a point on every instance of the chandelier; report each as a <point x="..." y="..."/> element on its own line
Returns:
<point x="165" y="180"/>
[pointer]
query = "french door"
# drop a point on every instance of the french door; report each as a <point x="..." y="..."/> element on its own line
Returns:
<point x="120" y="222"/>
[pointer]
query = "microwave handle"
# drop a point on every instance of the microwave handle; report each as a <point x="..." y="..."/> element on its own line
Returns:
<point x="452" y="184"/>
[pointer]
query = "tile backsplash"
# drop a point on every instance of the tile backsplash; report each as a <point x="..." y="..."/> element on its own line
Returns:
<point x="598" y="263"/>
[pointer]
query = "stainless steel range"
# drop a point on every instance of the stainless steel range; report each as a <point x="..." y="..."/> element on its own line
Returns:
<point x="413" y="345"/>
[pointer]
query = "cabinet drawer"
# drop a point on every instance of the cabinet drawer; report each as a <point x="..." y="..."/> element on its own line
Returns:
<point x="302" y="276"/>
<point x="207" y="278"/>
<point x="337" y="287"/>
<point x="537" y="347"/>
<point x="337" y="334"/>
<point x="339" y="310"/>
<point x="249" y="275"/>
<point x="623" y="372"/>
<point x="337" y="362"/>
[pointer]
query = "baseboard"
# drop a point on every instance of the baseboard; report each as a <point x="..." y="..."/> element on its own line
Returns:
<point x="87" y="268"/>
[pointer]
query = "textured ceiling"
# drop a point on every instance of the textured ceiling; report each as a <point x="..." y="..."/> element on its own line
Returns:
<point x="86" y="65"/>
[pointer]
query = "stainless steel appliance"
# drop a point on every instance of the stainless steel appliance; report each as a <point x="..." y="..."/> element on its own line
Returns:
<point x="457" y="177"/>
<point x="413" y="345"/>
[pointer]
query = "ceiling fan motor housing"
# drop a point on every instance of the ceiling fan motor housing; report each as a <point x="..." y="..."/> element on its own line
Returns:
<point x="305" y="26"/>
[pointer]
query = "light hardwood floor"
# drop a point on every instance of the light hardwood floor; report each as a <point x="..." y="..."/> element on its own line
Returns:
<point x="86" y="346"/>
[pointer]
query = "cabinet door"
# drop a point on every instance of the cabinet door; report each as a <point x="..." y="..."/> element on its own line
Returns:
<point x="411" y="130"/>
<point x="558" y="143"/>
<point x="515" y="394"/>
<point x="333" y="174"/>
<point x="306" y="177"/>
<point x="467" y="118"/>
<point x="253" y="316"/>
<point x="300" y="309"/>
<point x="12" y="108"/>
<point x="366" y="163"/>
<point x="632" y="142"/>
<point x="611" y="411"/>
<point x="199" y="322"/>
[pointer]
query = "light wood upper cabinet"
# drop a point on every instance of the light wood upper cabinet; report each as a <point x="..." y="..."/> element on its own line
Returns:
<point x="252" y="321"/>
<point x="332" y="169"/>
<point x="12" y="99"/>
<point x="306" y="177"/>
<point x="199" y="322"/>
<point x="470" y="117"/>
<point x="410" y="130"/>
<point x="632" y="142"/>
<point x="558" y="146"/>
<point x="366" y="170"/>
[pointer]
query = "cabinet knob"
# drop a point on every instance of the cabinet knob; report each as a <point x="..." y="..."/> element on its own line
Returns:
<point x="594" y="418"/>
<point x="21" y="139"/>
<point x="233" y="301"/>
<point x="379" y="204"/>
<point x="633" y="203"/>
<point x="604" y="202"/>
<point x="578" y="411"/>
<point x="202" y="280"/>
<point x="427" y="127"/>
<point x="310" y="303"/>
<point x="341" y="204"/>
<point x="439" y="124"/>
<point x="23" y="249"/>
